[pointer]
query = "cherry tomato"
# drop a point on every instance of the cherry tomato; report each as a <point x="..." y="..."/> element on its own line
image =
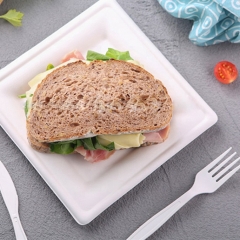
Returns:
<point x="225" y="72"/>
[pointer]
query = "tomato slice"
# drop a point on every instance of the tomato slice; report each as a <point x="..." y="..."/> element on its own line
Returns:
<point x="225" y="72"/>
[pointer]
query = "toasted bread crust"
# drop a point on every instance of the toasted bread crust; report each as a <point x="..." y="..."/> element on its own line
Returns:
<point x="100" y="98"/>
<point x="38" y="146"/>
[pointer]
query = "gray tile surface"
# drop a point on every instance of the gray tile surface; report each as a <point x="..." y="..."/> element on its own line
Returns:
<point x="206" y="217"/>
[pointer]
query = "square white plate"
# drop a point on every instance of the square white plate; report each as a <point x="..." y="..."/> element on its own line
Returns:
<point x="88" y="189"/>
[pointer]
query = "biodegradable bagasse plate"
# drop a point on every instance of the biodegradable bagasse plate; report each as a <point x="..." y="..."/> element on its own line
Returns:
<point x="88" y="189"/>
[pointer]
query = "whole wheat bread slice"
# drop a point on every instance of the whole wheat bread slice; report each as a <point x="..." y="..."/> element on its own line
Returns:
<point x="109" y="97"/>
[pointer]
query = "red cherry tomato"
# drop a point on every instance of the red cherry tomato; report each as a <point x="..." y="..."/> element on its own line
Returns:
<point x="225" y="72"/>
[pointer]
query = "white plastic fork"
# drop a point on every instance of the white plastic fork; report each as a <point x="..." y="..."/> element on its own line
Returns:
<point x="208" y="180"/>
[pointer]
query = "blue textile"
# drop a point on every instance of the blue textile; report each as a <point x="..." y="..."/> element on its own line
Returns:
<point x="215" y="21"/>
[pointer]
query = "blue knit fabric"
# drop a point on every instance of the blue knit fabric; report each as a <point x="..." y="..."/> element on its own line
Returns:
<point x="214" y="21"/>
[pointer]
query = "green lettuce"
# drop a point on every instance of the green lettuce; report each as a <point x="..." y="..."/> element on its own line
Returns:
<point x="110" y="54"/>
<point x="91" y="56"/>
<point x="67" y="147"/>
<point x="14" y="17"/>
<point x="22" y="95"/>
<point x="49" y="66"/>
<point x="26" y="108"/>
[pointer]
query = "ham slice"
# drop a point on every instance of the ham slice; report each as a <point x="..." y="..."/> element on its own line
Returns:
<point x="157" y="137"/>
<point x="73" y="54"/>
<point x="94" y="155"/>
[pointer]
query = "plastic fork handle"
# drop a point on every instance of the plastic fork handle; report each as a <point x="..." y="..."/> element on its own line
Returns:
<point x="18" y="229"/>
<point x="155" y="222"/>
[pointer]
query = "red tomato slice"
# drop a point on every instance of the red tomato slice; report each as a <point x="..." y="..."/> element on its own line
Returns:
<point x="225" y="72"/>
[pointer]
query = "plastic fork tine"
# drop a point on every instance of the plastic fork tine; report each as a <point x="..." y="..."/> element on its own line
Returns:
<point x="227" y="176"/>
<point x="226" y="168"/>
<point x="221" y="164"/>
<point x="213" y="163"/>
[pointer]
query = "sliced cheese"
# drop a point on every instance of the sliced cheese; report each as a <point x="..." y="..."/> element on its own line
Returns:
<point x="37" y="79"/>
<point x="123" y="140"/>
<point x="135" y="62"/>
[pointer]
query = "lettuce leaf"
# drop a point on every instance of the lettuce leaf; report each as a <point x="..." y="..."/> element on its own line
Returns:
<point x="91" y="56"/>
<point x="13" y="17"/>
<point x="22" y="95"/>
<point x="49" y="66"/>
<point x="115" y="54"/>
<point x="67" y="147"/>
<point x="63" y="148"/>
<point x="110" y="54"/>
<point x="26" y="108"/>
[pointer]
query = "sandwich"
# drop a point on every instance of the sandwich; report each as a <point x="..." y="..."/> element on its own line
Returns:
<point x="96" y="106"/>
